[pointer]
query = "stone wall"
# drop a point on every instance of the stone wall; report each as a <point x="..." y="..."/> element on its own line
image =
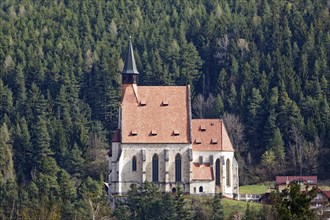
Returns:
<point x="144" y="154"/>
<point x="122" y="176"/>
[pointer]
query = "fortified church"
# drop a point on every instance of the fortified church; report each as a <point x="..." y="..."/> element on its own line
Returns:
<point x="158" y="141"/>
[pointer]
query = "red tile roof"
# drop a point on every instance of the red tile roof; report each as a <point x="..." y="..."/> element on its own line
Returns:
<point x="116" y="136"/>
<point x="212" y="134"/>
<point x="202" y="172"/>
<point x="327" y="194"/>
<point x="308" y="180"/>
<point x="153" y="115"/>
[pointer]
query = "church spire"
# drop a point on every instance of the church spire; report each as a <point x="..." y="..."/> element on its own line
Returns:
<point x="130" y="71"/>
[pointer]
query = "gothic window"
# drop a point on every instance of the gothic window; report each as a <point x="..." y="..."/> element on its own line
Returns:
<point x="134" y="163"/>
<point x="178" y="168"/>
<point x="110" y="152"/>
<point x="217" y="172"/>
<point x="228" y="172"/>
<point x="155" y="168"/>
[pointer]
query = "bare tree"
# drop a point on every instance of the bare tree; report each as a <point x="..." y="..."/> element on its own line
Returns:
<point x="222" y="47"/>
<point x="235" y="130"/>
<point x="198" y="106"/>
<point x="205" y="107"/>
<point x="311" y="156"/>
<point x="297" y="149"/>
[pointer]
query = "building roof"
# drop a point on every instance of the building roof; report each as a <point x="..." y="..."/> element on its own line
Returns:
<point x="155" y="114"/>
<point x="210" y="135"/>
<point x="307" y="180"/>
<point x="327" y="194"/>
<point x="116" y="136"/>
<point x="130" y="65"/>
<point x="202" y="172"/>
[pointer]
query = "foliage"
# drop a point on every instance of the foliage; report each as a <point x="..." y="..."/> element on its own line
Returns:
<point x="294" y="202"/>
<point x="217" y="209"/>
<point x="146" y="202"/>
<point x="266" y="63"/>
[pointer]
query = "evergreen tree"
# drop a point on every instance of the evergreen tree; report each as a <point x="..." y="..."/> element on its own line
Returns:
<point x="292" y="203"/>
<point x="6" y="157"/>
<point x="217" y="209"/>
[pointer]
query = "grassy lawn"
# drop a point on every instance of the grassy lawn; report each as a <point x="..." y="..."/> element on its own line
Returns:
<point x="230" y="207"/>
<point x="255" y="189"/>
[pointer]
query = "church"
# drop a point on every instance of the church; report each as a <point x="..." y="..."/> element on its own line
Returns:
<point x="158" y="141"/>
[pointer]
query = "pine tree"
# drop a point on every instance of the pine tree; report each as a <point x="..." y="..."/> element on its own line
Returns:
<point x="23" y="151"/>
<point x="293" y="203"/>
<point x="277" y="145"/>
<point x="6" y="157"/>
<point x="217" y="209"/>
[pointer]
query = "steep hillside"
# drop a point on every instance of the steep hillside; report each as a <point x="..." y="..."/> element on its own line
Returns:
<point x="261" y="65"/>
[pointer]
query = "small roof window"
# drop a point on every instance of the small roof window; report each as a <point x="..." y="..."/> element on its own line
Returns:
<point x="198" y="141"/>
<point x="134" y="132"/>
<point x="214" y="141"/>
<point x="165" y="103"/>
<point x="176" y="132"/>
<point x="143" y="102"/>
<point x="153" y="132"/>
<point x="202" y="128"/>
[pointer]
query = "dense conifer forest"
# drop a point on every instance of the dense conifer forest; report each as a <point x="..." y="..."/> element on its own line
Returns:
<point x="263" y="66"/>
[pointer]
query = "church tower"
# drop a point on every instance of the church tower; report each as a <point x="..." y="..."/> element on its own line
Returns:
<point x="130" y="72"/>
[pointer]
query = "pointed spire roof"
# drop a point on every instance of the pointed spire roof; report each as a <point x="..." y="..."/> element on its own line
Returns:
<point x="130" y="65"/>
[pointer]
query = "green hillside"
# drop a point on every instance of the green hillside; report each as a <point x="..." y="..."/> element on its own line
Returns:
<point x="261" y="65"/>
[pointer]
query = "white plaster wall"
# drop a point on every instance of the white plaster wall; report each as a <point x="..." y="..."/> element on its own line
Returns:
<point x="113" y="168"/>
<point x="166" y="179"/>
<point x="206" y="155"/>
<point x="208" y="187"/>
<point x="122" y="176"/>
<point x="226" y="190"/>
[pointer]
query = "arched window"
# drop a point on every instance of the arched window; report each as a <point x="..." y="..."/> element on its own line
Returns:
<point x="155" y="168"/>
<point x="228" y="172"/>
<point x="134" y="163"/>
<point x="200" y="189"/>
<point x="178" y="168"/>
<point x="217" y="172"/>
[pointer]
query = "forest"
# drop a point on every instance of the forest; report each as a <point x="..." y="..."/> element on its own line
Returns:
<point x="260" y="65"/>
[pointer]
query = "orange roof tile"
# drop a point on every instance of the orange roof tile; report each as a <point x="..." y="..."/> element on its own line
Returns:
<point x="154" y="116"/>
<point x="202" y="172"/>
<point x="212" y="134"/>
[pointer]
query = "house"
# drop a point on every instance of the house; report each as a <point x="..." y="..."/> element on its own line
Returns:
<point x="282" y="182"/>
<point x="322" y="199"/>
<point x="158" y="141"/>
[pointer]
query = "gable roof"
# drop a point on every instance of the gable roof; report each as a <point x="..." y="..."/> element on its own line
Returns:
<point x="210" y="135"/>
<point x="202" y="172"/>
<point x="327" y="194"/>
<point x="144" y="112"/>
<point x="307" y="180"/>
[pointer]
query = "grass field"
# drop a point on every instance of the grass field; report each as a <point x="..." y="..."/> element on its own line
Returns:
<point x="230" y="207"/>
<point x="255" y="189"/>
